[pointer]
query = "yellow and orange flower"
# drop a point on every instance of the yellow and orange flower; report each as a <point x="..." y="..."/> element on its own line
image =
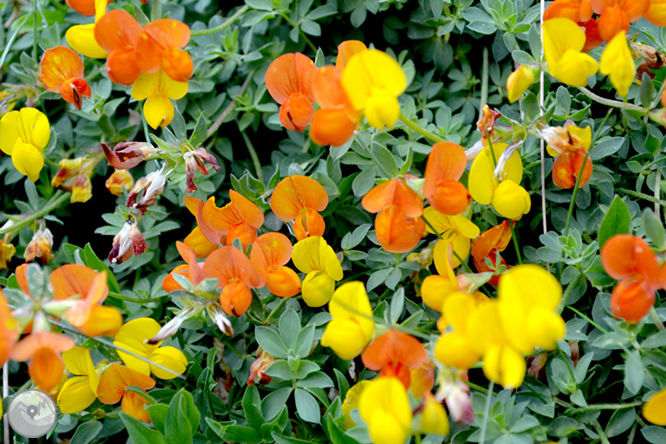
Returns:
<point x="446" y="164"/>
<point x="43" y="349"/>
<point x="61" y="71"/>
<point x="489" y="245"/>
<point x="158" y="47"/>
<point x="270" y="253"/>
<point x="113" y="386"/>
<point x="393" y="354"/>
<point x="117" y="32"/>
<point x="300" y="199"/>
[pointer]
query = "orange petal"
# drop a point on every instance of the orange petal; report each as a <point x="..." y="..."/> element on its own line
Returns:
<point x="269" y="250"/>
<point x="567" y="166"/>
<point x="636" y="9"/>
<point x="289" y="74"/>
<point x="83" y="7"/>
<point x="488" y="245"/>
<point x="611" y="21"/>
<point x="446" y="161"/>
<point x="295" y="193"/>
<point x="149" y="53"/>
<point x="243" y="232"/>
<point x="423" y="379"/>
<point x="235" y="298"/>
<point x="169" y="33"/>
<point x="170" y="284"/>
<point x="394" y="192"/>
<point x="190" y="257"/>
<point x="346" y="50"/>
<point x="631" y="301"/>
<point x="283" y="281"/>
<point x="46" y="369"/>
<point x="135" y="405"/>
<point x="73" y="90"/>
<point x="117" y="30"/>
<point x="296" y="112"/>
<point x="394" y="347"/>
<point x="248" y="211"/>
<point x="116" y="378"/>
<point x="192" y="204"/>
<point x="22" y="278"/>
<point x="177" y="64"/>
<point x="58" y="65"/>
<point x="309" y="223"/>
<point x="397" y="233"/>
<point x="122" y="66"/>
<point x="565" y="9"/>
<point x="592" y="37"/>
<point x="227" y="264"/>
<point x="72" y="279"/>
<point x="450" y="197"/>
<point x="28" y="346"/>
<point x="617" y="256"/>
<point x="332" y="127"/>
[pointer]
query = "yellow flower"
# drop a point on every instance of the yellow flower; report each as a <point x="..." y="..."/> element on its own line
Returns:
<point x="384" y="406"/>
<point x="519" y="80"/>
<point x="7" y="252"/>
<point x="434" y="419"/>
<point x="511" y="200"/>
<point x="118" y="180"/>
<point x="79" y="392"/>
<point x="23" y="135"/>
<point x="455" y="348"/>
<point x="563" y="41"/>
<point x="314" y="257"/>
<point x="504" y="365"/>
<point x="158" y="88"/>
<point x="352" y="325"/>
<point x="617" y="62"/>
<point x="351" y="401"/>
<point x="456" y="230"/>
<point x="655" y="409"/>
<point x="82" y="37"/>
<point x="373" y="80"/>
<point x="134" y="335"/>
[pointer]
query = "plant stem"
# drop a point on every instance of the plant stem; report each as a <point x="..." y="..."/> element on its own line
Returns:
<point x="230" y="107"/>
<point x="656" y="319"/>
<point x="567" y="293"/>
<point x="515" y="244"/>
<point x="599" y="327"/>
<point x="294" y="25"/>
<point x="486" y="412"/>
<point x="5" y="394"/>
<point x="122" y="297"/>
<point x="275" y="310"/>
<point x="657" y="189"/>
<point x="641" y="196"/>
<point x="34" y="31"/>
<point x="253" y="155"/>
<point x="422" y="131"/>
<point x="228" y="22"/>
<point x="605" y="407"/>
<point x="612" y="103"/>
<point x="58" y="199"/>
<point x="600" y="432"/>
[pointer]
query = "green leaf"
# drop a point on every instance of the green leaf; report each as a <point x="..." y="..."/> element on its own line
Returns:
<point x="234" y="433"/>
<point x="385" y="161"/>
<point x="182" y="419"/>
<point x="307" y="406"/>
<point x="289" y="326"/>
<point x="397" y="305"/>
<point x="654" y="434"/>
<point x="343" y="384"/>
<point x="634" y="373"/>
<point x="282" y="439"/>
<point x="620" y="422"/>
<point x="304" y="341"/>
<point x="606" y="147"/>
<point x="140" y="432"/>
<point x="251" y="407"/>
<point x="158" y="416"/>
<point x="94" y="262"/>
<point x="86" y="432"/>
<point x="273" y="403"/>
<point x="271" y="342"/>
<point x="616" y="221"/>
<point x="200" y="132"/>
<point x="654" y="229"/>
<point x="364" y="182"/>
<point x="655" y="341"/>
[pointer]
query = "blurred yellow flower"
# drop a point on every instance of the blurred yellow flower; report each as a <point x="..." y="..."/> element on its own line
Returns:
<point x="616" y="62"/>
<point x="563" y="41"/>
<point x="519" y="80"/>
<point x="384" y="406"/>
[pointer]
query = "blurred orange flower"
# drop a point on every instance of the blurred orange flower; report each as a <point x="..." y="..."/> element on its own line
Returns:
<point x="393" y="354"/>
<point x="270" y="253"/>
<point x="61" y="71"/>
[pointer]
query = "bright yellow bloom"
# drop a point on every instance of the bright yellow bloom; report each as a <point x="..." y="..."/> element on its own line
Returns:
<point x="434" y="419"/>
<point x="314" y="257"/>
<point x="504" y="365"/>
<point x="134" y="335"/>
<point x="79" y="392"/>
<point x="352" y="325"/>
<point x="456" y="230"/>
<point x="82" y="37"/>
<point x="563" y="41"/>
<point x="519" y="80"/>
<point x="616" y="61"/>
<point x="373" y="80"/>
<point x="455" y="348"/>
<point x="351" y="401"/>
<point x="384" y="406"/>
<point x="655" y="409"/>
<point x="158" y="88"/>
<point x="23" y="135"/>
<point x="511" y="200"/>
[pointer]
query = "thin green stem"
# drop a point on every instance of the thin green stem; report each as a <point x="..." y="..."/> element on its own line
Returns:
<point x="253" y="155"/>
<point x="612" y="103"/>
<point x="597" y="326"/>
<point x="515" y="244"/>
<point x="422" y="131"/>
<point x="594" y="407"/>
<point x="122" y="297"/>
<point x="657" y="321"/>
<point x="294" y="25"/>
<point x="228" y="22"/>
<point x="11" y="40"/>
<point x="34" y="31"/>
<point x="641" y="196"/>
<point x="275" y="310"/>
<point x="417" y="438"/>
<point x="657" y="189"/>
<point x="230" y="107"/>
<point x="486" y="412"/>
<point x="600" y="432"/>
<point x="58" y="199"/>
<point x="567" y="293"/>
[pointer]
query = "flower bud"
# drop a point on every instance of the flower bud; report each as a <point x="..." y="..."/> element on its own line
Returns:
<point x="118" y="180"/>
<point x="127" y="242"/>
<point x="511" y="200"/>
<point x="7" y="251"/>
<point x="40" y="246"/>
<point x="196" y="160"/>
<point x="126" y="155"/>
<point x="519" y="80"/>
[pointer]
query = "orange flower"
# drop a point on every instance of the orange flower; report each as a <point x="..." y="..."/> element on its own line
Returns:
<point x="398" y="225"/>
<point x="84" y="7"/>
<point x="8" y="330"/>
<point x="489" y="245"/>
<point x="236" y="275"/>
<point x="259" y="367"/>
<point x="43" y="350"/>
<point x="289" y="82"/>
<point x="61" y="71"/>
<point x="567" y="167"/>
<point x="446" y="163"/>
<point x="159" y="46"/>
<point x="393" y="354"/>
<point x="300" y="199"/>
<point x="117" y="32"/>
<point x="336" y="119"/>
<point x="616" y="15"/>
<point x="113" y="387"/>
<point x="193" y="270"/>
<point x="630" y="260"/>
<point x="270" y="252"/>
<point x="239" y="219"/>
<point x="87" y="314"/>
<point x="570" y="144"/>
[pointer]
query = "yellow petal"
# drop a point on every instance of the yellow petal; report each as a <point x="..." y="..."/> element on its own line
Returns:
<point x="616" y="60"/>
<point x="454" y="350"/>
<point x="82" y="40"/>
<point x="345" y="337"/>
<point x="382" y="109"/>
<point x="100" y="8"/>
<point x="134" y="334"/>
<point x="313" y="254"/>
<point x="369" y="70"/>
<point x="436" y="289"/>
<point x="545" y="328"/>
<point x="519" y="80"/>
<point x="174" y="90"/>
<point x="317" y="288"/>
<point x="158" y="111"/>
<point x="77" y="360"/>
<point x="145" y="85"/>
<point x="28" y="125"/>
<point x="575" y="67"/>
<point x="655" y="409"/>
<point x="350" y="301"/>
<point x="559" y="36"/>
<point x="28" y="160"/>
<point x="504" y="366"/>
<point x="482" y="181"/>
<point x="581" y="136"/>
<point x="485" y="326"/>
<point x="171" y="358"/>
<point x="351" y="401"/>
<point x="75" y="395"/>
<point x="434" y="419"/>
<point x="511" y="200"/>
<point x="461" y="246"/>
<point x="384" y="406"/>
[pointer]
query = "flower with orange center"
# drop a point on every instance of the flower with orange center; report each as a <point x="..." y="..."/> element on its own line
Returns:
<point x="113" y="386"/>
<point x="192" y="270"/>
<point x="239" y="219"/>
<point x="270" y="253"/>
<point x="336" y="119"/>
<point x="300" y="199"/>
<point x="159" y="47"/>
<point x="236" y="275"/>
<point x="446" y="163"/>
<point x="393" y="354"/>
<point x="630" y="260"/>
<point x="61" y="71"/>
<point x="617" y="15"/>
<point x="570" y="144"/>
<point x="488" y="246"/>
<point x="119" y="180"/>
<point x="87" y="314"/>
<point x="43" y="350"/>
<point x="289" y="82"/>
<point x="117" y="32"/>
<point x="8" y="330"/>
